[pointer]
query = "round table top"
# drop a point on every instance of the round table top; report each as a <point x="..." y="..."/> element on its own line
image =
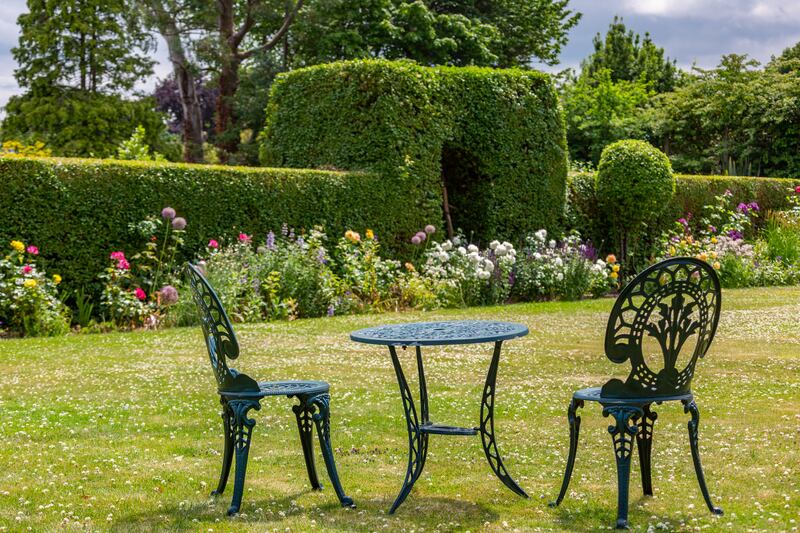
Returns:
<point x="440" y="333"/>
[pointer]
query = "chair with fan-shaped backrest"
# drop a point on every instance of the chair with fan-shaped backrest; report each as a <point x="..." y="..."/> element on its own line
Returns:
<point x="663" y="323"/>
<point x="239" y="393"/>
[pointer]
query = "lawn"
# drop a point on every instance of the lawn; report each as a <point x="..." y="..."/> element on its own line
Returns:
<point x="122" y="431"/>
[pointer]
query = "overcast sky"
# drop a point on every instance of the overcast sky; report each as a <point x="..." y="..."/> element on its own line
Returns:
<point x="690" y="31"/>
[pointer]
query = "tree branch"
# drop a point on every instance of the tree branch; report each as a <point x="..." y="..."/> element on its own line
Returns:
<point x="269" y="45"/>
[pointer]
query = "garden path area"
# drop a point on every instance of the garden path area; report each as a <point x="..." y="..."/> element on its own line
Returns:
<point x="122" y="431"/>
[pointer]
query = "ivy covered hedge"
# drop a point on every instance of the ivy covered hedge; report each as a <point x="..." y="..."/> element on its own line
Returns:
<point x="497" y="137"/>
<point x="691" y="194"/>
<point x="77" y="211"/>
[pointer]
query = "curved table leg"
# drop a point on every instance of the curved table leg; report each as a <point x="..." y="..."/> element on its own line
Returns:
<point x="574" y="431"/>
<point x="417" y="442"/>
<point x="690" y="407"/>
<point x="487" y="426"/>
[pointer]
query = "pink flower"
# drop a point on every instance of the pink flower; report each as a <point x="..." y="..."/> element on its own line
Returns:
<point x="422" y="235"/>
<point x="168" y="213"/>
<point x="123" y="264"/>
<point x="415" y="240"/>
<point x="117" y="256"/>
<point x="169" y="295"/>
<point x="27" y="269"/>
<point x="33" y="250"/>
<point x="797" y="189"/>
<point x="213" y="244"/>
<point x="140" y="294"/>
<point x="430" y="228"/>
<point x="178" y="223"/>
<point x="245" y="238"/>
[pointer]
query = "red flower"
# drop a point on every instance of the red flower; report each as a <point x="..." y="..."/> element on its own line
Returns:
<point x="27" y="269"/>
<point x="245" y="238"/>
<point x="123" y="264"/>
<point x="140" y="294"/>
<point x="117" y="256"/>
<point x="33" y="250"/>
<point x="214" y="244"/>
<point x="797" y="189"/>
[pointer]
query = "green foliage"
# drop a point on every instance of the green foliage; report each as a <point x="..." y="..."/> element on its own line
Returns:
<point x="502" y="33"/>
<point x="136" y="147"/>
<point x="495" y="136"/>
<point x="79" y="211"/>
<point x="91" y="45"/>
<point x="80" y="124"/>
<point x="634" y="184"/>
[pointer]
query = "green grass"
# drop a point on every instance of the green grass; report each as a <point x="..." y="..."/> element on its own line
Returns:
<point x="122" y="431"/>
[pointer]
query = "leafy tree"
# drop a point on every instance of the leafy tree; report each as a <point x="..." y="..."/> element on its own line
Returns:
<point x="79" y="123"/>
<point x="136" y="147"/>
<point x="168" y="100"/>
<point x="629" y="57"/>
<point x="788" y="61"/>
<point x="92" y="45"/>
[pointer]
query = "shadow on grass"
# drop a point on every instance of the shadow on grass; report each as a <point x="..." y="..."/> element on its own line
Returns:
<point x="603" y="515"/>
<point x="267" y="513"/>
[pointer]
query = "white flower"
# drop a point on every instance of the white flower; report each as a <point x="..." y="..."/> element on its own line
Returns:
<point x="560" y="276"/>
<point x="494" y="244"/>
<point x="484" y="274"/>
<point x="462" y="250"/>
<point x="551" y="244"/>
<point x="508" y="245"/>
<point x="488" y="265"/>
<point x="600" y="263"/>
<point x="541" y="234"/>
<point x="447" y="246"/>
<point x="499" y="250"/>
<point x="472" y="248"/>
<point x="537" y="256"/>
<point x="558" y="262"/>
<point x="456" y="241"/>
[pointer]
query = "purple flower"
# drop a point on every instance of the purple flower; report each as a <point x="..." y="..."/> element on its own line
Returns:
<point x="291" y="234"/>
<point x="735" y="234"/>
<point x="753" y="206"/>
<point x="742" y="207"/>
<point x="588" y="251"/>
<point x="178" y="223"/>
<point x="683" y="222"/>
<point x="168" y="213"/>
<point x="331" y="310"/>
<point x="270" y="241"/>
<point x="300" y="242"/>
<point x="415" y="240"/>
<point x="712" y="229"/>
<point x="728" y="193"/>
<point x="321" y="256"/>
<point x="430" y="228"/>
<point x="169" y="295"/>
<point x="422" y="236"/>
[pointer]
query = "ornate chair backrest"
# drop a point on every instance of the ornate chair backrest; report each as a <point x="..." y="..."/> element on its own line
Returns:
<point x="670" y="309"/>
<point x="219" y="335"/>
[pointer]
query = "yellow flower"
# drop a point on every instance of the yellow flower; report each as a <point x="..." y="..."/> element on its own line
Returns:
<point x="370" y="234"/>
<point x="56" y="279"/>
<point x="615" y="268"/>
<point x="613" y="275"/>
<point x="30" y="283"/>
<point x="713" y="255"/>
<point x="410" y="267"/>
<point x="611" y="258"/>
<point x="716" y="265"/>
<point x="713" y="240"/>
<point x="18" y="246"/>
<point x="702" y="256"/>
<point x="672" y="250"/>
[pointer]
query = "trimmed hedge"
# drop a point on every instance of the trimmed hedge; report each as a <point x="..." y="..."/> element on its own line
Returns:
<point x="497" y="136"/>
<point x="77" y="211"/>
<point x="691" y="194"/>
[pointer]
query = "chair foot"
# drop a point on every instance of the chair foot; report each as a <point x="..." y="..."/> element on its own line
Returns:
<point x="227" y="454"/>
<point x="622" y="434"/>
<point x="322" y="419"/>
<point x="305" y="424"/>
<point x="690" y="407"/>
<point x="242" y="431"/>
<point x="574" y="431"/>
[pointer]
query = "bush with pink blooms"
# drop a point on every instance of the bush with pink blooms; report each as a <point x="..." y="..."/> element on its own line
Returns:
<point x="29" y="303"/>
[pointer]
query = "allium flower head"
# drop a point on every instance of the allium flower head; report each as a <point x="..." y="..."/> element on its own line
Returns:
<point x="169" y="295"/>
<point x="168" y="213"/>
<point x="430" y="229"/>
<point x="422" y="235"/>
<point x="415" y="240"/>
<point x="178" y="223"/>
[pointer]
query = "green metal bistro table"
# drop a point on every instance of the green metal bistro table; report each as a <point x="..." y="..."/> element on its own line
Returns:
<point x="421" y="334"/>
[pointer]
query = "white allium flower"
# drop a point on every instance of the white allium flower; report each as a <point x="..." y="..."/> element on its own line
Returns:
<point x="541" y="234"/>
<point x="558" y="262"/>
<point x="472" y="248"/>
<point x="462" y="250"/>
<point x="456" y="241"/>
<point x="500" y="250"/>
<point x="488" y="265"/>
<point x="560" y="276"/>
<point x="447" y="246"/>
<point x="600" y="263"/>
<point x="508" y="245"/>
<point x="537" y="256"/>
<point x="551" y="244"/>
<point x="484" y="274"/>
<point x="494" y="244"/>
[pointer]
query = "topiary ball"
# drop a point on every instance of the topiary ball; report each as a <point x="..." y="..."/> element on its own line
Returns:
<point x="634" y="183"/>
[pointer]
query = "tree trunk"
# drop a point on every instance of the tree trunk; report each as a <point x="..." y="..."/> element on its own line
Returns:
<point x="185" y="78"/>
<point x="228" y="81"/>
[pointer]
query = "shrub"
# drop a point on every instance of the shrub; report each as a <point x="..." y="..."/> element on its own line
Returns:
<point x="79" y="211"/>
<point x="496" y="138"/>
<point x="634" y="184"/>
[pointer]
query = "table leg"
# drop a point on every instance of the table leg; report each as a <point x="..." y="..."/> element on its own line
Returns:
<point x="417" y="442"/>
<point x="487" y="426"/>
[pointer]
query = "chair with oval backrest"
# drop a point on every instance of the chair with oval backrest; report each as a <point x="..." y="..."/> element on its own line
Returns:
<point x="240" y="393"/>
<point x="658" y="316"/>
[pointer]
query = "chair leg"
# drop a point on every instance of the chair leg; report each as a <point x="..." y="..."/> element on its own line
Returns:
<point x="227" y="453"/>
<point x="574" y="431"/>
<point x="690" y="407"/>
<point x="323" y="421"/>
<point x="242" y="428"/>
<point x="644" y="443"/>
<point x="622" y="434"/>
<point x="305" y="424"/>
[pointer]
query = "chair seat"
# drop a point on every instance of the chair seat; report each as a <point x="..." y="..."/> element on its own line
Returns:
<point x="283" y="388"/>
<point x="593" y="394"/>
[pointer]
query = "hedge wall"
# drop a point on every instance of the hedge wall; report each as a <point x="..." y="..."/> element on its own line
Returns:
<point x="78" y="211"/>
<point x="691" y="194"/>
<point x="497" y="137"/>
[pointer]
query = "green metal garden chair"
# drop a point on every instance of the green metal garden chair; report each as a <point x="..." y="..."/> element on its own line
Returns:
<point x="240" y="393"/>
<point x="670" y="308"/>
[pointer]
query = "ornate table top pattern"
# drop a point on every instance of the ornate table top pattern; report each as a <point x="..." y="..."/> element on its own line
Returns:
<point x="439" y="333"/>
